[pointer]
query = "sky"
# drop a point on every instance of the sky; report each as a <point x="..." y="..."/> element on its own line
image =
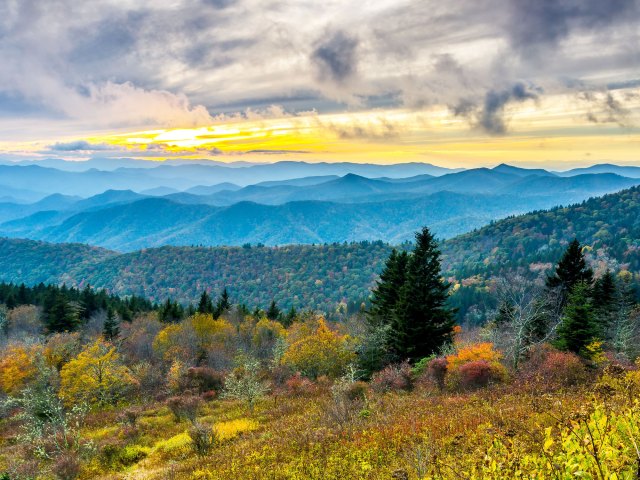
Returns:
<point x="552" y="83"/>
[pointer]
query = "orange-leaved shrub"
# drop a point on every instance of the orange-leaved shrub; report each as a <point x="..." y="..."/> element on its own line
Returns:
<point x="475" y="365"/>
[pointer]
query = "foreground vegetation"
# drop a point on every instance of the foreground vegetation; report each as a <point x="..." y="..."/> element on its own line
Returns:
<point x="548" y="388"/>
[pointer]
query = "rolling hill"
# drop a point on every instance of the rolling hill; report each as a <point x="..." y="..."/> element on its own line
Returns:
<point x="609" y="226"/>
<point x="321" y="276"/>
<point x="154" y="222"/>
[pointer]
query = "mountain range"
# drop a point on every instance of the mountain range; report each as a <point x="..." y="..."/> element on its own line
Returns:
<point x="321" y="276"/>
<point x="172" y="204"/>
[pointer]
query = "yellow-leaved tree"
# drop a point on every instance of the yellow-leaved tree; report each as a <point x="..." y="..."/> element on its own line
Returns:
<point x="96" y="376"/>
<point x="321" y="352"/>
<point x="17" y="367"/>
<point x="194" y="338"/>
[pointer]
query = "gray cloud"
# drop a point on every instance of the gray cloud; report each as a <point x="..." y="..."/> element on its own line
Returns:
<point x="171" y="62"/>
<point x="336" y="57"/>
<point x="492" y="115"/>
<point x="79" y="145"/>
<point x="536" y="25"/>
<point x="608" y="107"/>
<point x="489" y="116"/>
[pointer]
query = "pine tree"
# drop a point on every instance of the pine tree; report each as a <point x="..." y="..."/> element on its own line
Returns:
<point x="288" y="319"/>
<point x="579" y="326"/>
<point x="273" y="312"/>
<point x="206" y="304"/>
<point x="605" y="301"/>
<point x="223" y="304"/>
<point x="605" y="291"/>
<point x="387" y="292"/>
<point x="422" y="322"/>
<point x="59" y="314"/>
<point x="571" y="269"/>
<point x="111" y="328"/>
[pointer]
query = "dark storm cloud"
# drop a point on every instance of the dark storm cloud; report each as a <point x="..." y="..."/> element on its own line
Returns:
<point x="489" y="116"/>
<point x="492" y="115"/>
<point x="538" y="24"/>
<point x="336" y="57"/>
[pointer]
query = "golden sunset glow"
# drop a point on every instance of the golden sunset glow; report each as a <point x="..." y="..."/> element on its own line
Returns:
<point x="555" y="131"/>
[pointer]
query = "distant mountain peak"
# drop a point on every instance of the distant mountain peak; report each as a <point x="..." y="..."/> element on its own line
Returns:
<point x="520" y="171"/>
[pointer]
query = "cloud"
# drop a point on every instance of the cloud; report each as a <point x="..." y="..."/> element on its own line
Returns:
<point x="608" y="107"/>
<point x="181" y="63"/>
<point x="539" y="25"/>
<point x="335" y="58"/>
<point x="277" y="152"/>
<point x="490" y="115"/>
<point x="78" y="145"/>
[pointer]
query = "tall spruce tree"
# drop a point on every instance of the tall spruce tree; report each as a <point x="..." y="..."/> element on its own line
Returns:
<point x="571" y="269"/>
<point x="422" y="322"/>
<point x="222" y="304"/>
<point x="273" y="312"/>
<point x="579" y="326"/>
<point x="60" y="315"/>
<point x="605" y="302"/>
<point x="605" y="291"/>
<point x="387" y="292"/>
<point x="111" y="328"/>
<point x="288" y="319"/>
<point x="206" y="304"/>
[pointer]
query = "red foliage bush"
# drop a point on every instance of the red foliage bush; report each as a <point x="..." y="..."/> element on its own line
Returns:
<point x="553" y="368"/>
<point x="437" y="371"/>
<point x="208" y="395"/>
<point x="298" y="386"/>
<point x="204" y="379"/>
<point x="393" y="378"/>
<point x="475" y="374"/>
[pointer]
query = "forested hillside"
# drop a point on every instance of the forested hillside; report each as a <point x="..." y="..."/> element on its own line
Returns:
<point x="323" y="276"/>
<point x="609" y="226"/>
<point x="303" y="276"/>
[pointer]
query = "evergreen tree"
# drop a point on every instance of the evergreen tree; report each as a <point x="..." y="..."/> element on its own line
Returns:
<point x="288" y="319"/>
<point x="206" y="304"/>
<point x="59" y="314"/>
<point x="579" y="326"/>
<point x="387" y="292"/>
<point x="422" y="322"/>
<point x="11" y="302"/>
<point x="605" y="291"/>
<point x="170" y="312"/>
<point x="111" y="328"/>
<point x="22" y="298"/>
<point x="223" y="304"/>
<point x="273" y="312"/>
<point x="605" y="301"/>
<point x="571" y="269"/>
